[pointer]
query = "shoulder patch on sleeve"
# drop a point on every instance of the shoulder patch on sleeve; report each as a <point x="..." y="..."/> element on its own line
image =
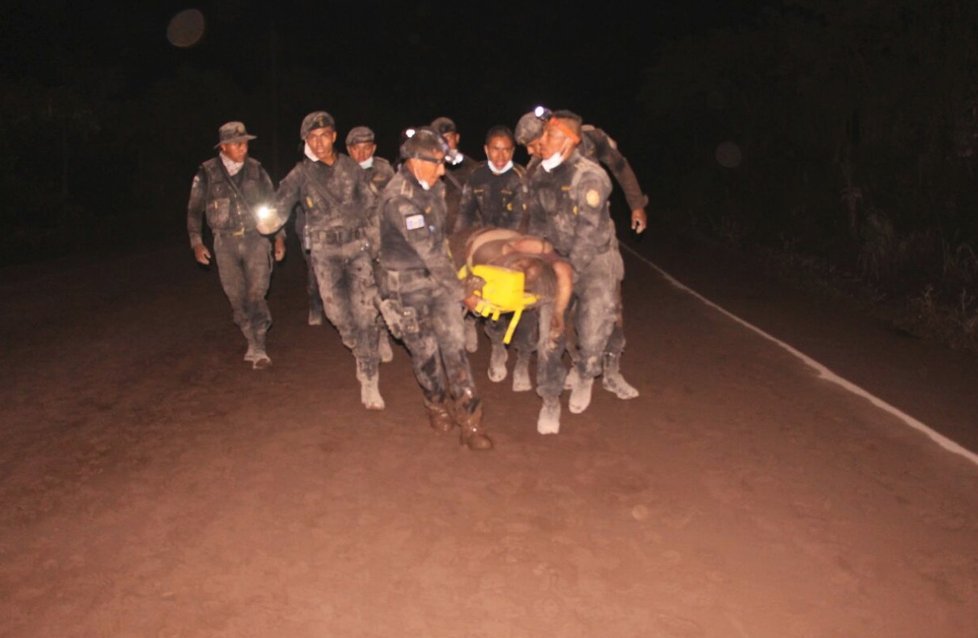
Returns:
<point x="593" y="198"/>
<point x="414" y="222"/>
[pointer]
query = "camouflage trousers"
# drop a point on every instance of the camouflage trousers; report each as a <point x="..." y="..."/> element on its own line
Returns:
<point x="346" y="285"/>
<point x="244" y="265"/>
<point x="312" y="285"/>
<point x="597" y="312"/>
<point x="437" y="345"/>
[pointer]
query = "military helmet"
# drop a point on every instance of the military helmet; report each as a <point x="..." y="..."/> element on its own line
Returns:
<point x="316" y="119"/>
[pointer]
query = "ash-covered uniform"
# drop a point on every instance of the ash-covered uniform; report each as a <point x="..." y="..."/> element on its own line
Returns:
<point x="456" y="175"/>
<point x="495" y="200"/>
<point x="421" y="277"/>
<point x="379" y="173"/>
<point x="598" y="146"/>
<point x="243" y="255"/>
<point x="569" y="207"/>
<point x="341" y="227"/>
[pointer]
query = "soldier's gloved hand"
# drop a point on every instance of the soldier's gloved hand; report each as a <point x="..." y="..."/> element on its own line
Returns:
<point x="640" y="221"/>
<point x="279" y="250"/>
<point x="202" y="255"/>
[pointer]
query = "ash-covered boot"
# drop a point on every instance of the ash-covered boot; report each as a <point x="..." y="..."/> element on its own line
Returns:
<point x="439" y="418"/>
<point x="468" y="416"/>
<point x="369" y="379"/>
<point x="497" y="362"/>
<point x="613" y="382"/>
<point x="256" y="349"/>
<point x="549" y="420"/>
<point x="521" y="372"/>
<point x="580" y="396"/>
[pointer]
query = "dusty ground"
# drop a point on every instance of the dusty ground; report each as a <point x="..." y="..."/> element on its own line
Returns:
<point x="154" y="485"/>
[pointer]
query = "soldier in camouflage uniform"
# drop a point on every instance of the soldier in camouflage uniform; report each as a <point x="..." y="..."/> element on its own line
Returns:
<point x="597" y="146"/>
<point x="424" y="298"/>
<point x="494" y="196"/>
<point x="569" y="207"/>
<point x="458" y="168"/>
<point x="230" y="188"/>
<point x="341" y="225"/>
<point x="361" y="147"/>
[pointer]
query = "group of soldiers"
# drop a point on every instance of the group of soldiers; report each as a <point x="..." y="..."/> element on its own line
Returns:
<point x="403" y="251"/>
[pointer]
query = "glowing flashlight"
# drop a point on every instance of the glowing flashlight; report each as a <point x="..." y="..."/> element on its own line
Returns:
<point x="264" y="212"/>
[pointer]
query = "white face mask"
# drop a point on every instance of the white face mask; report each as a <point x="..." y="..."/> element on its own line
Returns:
<point x="500" y="171"/>
<point x="367" y="163"/>
<point x="308" y="151"/>
<point x="553" y="161"/>
<point x="425" y="185"/>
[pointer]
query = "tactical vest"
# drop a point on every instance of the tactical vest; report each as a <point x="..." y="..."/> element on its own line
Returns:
<point x="226" y="212"/>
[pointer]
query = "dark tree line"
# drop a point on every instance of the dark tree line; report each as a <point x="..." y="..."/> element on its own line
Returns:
<point x="858" y="128"/>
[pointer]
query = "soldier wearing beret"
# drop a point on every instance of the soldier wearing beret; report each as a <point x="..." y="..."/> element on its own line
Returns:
<point x="230" y="189"/>
<point x="569" y="207"/>
<point x="341" y="228"/>
<point x="597" y="146"/>
<point x="361" y="146"/>
<point x="494" y="196"/>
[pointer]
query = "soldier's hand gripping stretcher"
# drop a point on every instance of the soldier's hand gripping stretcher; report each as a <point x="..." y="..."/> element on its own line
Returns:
<point x="506" y="271"/>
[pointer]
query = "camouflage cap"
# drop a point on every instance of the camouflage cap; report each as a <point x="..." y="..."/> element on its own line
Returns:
<point x="316" y="119"/>
<point x="231" y="133"/>
<point x="359" y="134"/>
<point x="529" y="128"/>
<point x="422" y="141"/>
<point x="443" y="125"/>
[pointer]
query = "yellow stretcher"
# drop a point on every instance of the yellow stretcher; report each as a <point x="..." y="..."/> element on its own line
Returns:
<point x="503" y="292"/>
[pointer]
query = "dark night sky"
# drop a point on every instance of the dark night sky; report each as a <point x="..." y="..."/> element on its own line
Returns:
<point x="385" y="64"/>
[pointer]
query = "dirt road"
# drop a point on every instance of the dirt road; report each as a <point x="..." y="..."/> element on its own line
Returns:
<point x="154" y="485"/>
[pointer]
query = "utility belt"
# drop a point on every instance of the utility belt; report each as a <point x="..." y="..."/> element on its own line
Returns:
<point x="240" y="232"/>
<point x="336" y="236"/>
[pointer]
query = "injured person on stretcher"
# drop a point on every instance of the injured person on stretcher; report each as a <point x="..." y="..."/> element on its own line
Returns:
<point x="546" y="277"/>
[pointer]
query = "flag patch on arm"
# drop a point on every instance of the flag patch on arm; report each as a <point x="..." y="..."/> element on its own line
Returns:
<point x="414" y="222"/>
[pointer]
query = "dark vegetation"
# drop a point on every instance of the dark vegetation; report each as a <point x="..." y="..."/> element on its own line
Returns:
<point x="856" y="124"/>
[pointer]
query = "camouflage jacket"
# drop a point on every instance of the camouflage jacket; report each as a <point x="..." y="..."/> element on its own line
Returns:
<point x="380" y="173"/>
<point x="332" y="197"/>
<point x="455" y="178"/>
<point x="212" y="193"/>
<point x="412" y="231"/>
<point x="494" y="200"/>
<point x="598" y="146"/>
<point x="569" y="208"/>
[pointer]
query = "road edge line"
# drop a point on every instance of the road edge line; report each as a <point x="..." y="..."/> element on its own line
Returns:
<point x="823" y="371"/>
